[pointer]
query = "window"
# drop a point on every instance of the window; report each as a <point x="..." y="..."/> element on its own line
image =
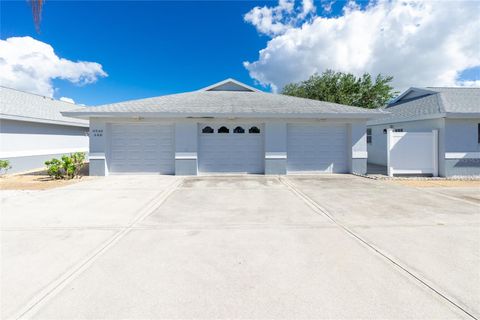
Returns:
<point x="478" y="133"/>
<point x="207" y="130"/>
<point x="254" y="130"/>
<point x="369" y="135"/>
<point x="238" y="130"/>
<point x="223" y="130"/>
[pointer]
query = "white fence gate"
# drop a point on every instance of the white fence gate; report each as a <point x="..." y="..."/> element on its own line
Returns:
<point x="412" y="152"/>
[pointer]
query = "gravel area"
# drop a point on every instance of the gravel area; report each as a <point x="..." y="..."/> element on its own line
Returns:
<point x="437" y="183"/>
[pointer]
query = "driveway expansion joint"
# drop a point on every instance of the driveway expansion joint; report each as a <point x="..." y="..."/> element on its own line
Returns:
<point x="318" y="209"/>
<point x="58" y="284"/>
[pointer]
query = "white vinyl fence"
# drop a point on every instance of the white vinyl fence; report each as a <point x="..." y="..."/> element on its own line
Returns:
<point x="412" y="152"/>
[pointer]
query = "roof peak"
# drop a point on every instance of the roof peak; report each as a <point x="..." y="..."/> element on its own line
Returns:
<point x="229" y="84"/>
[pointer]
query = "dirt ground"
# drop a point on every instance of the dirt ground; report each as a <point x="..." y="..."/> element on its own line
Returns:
<point x="438" y="183"/>
<point x="37" y="180"/>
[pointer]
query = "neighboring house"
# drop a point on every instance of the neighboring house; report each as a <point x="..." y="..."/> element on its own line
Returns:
<point x="227" y="127"/>
<point x="32" y="129"/>
<point x="454" y="112"/>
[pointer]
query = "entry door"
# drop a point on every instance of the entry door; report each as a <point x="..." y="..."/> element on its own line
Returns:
<point x="231" y="148"/>
<point x="141" y="148"/>
<point x="315" y="148"/>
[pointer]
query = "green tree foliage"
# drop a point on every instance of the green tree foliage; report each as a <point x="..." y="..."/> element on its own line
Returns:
<point x="344" y="88"/>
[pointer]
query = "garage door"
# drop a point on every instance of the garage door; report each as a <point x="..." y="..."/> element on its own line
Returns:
<point x="313" y="148"/>
<point x="232" y="148"/>
<point x="141" y="148"/>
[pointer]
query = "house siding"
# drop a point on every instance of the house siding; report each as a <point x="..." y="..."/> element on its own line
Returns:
<point x="462" y="137"/>
<point x="462" y="167"/>
<point x="27" y="145"/>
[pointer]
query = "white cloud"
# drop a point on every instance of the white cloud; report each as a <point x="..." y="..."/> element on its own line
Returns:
<point x="66" y="99"/>
<point x="278" y="19"/>
<point x="31" y="65"/>
<point x="419" y="43"/>
<point x="469" y="83"/>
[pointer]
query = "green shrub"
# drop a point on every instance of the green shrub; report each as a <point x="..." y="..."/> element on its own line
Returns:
<point x="4" y="166"/>
<point x="78" y="160"/>
<point x="54" y="168"/>
<point x="68" y="167"/>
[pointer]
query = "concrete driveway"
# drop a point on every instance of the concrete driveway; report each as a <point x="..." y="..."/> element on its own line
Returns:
<point x="334" y="246"/>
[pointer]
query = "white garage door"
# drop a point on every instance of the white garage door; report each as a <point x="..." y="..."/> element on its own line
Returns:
<point x="141" y="148"/>
<point x="314" y="148"/>
<point x="232" y="148"/>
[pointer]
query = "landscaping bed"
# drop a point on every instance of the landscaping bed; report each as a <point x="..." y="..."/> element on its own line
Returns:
<point x="38" y="180"/>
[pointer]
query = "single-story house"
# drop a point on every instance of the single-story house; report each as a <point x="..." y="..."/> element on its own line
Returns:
<point x="228" y="127"/>
<point x="454" y="112"/>
<point x="33" y="130"/>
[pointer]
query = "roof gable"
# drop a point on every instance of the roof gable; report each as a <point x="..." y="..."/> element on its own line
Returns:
<point x="412" y="93"/>
<point x="431" y="103"/>
<point x="229" y="85"/>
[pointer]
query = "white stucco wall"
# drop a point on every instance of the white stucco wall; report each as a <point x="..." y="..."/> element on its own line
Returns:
<point x="358" y="139"/>
<point x="27" y="145"/>
<point x="20" y="138"/>
<point x="377" y="149"/>
<point x="276" y="139"/>
<point x="462" y="135"/>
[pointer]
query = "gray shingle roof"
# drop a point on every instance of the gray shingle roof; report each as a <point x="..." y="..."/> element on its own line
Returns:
<point x="19" y="105"/>
<point x="227" y="103"/>
<point x="440" y="102"/>
<point x="459" y="99"/>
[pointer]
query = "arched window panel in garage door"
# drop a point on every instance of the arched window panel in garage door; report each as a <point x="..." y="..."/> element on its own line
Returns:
<point x="238" y="130"/>
<point x="254" y="130"/>
<point x="207" y="129"/>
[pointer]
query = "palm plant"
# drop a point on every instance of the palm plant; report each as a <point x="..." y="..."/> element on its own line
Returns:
<point x="37" y="6"/>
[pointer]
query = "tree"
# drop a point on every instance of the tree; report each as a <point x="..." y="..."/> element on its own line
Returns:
<point x="344" y="88"/>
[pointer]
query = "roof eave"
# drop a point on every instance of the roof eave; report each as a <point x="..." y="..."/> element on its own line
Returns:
<point x="329" y="115"/>
<point x="463" y="115"/>
<point x="396" y="119"/>
<point x="47" y="121"/>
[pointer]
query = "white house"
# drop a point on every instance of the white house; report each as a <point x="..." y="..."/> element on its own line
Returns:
<point x="228" y="127"/>
<point x="453" y="112"/>
<point x="33" y="130"/>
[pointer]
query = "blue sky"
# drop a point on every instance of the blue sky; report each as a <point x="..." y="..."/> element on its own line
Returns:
<point x="156" y="47"/>
<point x="147" y="48"/>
